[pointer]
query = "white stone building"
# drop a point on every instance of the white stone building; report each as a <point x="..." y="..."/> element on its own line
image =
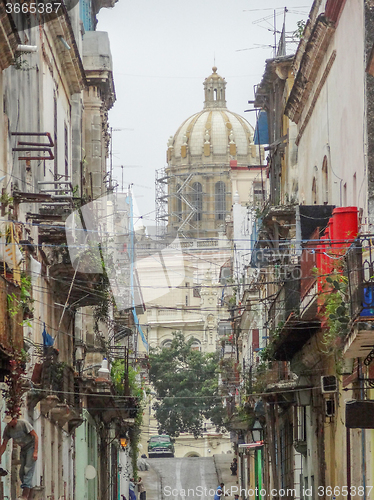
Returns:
<point x="211" y="153"/>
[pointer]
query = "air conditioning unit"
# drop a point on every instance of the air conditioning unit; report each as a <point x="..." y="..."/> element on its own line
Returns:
<point x="329" y="384"/>
<point x="329" y="407"/>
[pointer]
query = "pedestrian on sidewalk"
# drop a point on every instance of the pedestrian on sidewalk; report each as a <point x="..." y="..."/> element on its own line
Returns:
<point x="141" y="489"/>
<point x="218" y="494"/>
<point x="234" y="467"/>
<point x="24" y="436"/>
<point x="219" y="491"/>
<point x="132" y="493"/>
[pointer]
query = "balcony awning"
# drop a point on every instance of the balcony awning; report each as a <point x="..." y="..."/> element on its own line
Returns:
<point x="249" y="446"/>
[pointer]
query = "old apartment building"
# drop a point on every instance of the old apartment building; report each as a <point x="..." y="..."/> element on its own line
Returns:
<point x="61" y="332"/>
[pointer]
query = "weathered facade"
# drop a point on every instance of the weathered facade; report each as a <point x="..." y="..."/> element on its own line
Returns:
<point x="57" y="323"/>
<point x="304" y="318"/>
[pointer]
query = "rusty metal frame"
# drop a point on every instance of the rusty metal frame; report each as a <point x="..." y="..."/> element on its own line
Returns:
<point x="35" y="146"/>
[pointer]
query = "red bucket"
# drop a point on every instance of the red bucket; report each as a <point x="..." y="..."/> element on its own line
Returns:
<point x="345" y="225"/>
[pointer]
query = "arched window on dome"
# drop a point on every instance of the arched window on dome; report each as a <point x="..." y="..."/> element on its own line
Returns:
<point x="220" y="200"/>
<point x="215" y="94"/>
<point x="197" y="200"/>
<point x="179" y="202"/>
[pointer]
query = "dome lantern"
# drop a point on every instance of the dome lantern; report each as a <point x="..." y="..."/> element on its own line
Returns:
<point x="194" y="191"/>
<point x="215" y="90"/>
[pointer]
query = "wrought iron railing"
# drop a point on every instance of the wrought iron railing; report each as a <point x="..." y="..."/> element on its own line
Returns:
<point x="359" y="261"/>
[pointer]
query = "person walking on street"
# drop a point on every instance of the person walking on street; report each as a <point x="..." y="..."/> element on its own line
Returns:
<point x="24" y="436"/>
<point x="141" y="489"/>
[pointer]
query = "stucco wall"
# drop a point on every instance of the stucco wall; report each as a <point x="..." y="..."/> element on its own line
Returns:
<point x="336" y="126"/>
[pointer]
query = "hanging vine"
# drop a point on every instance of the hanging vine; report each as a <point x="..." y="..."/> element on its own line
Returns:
<point x="15" y="383"/>
<point x="335" y="312"/>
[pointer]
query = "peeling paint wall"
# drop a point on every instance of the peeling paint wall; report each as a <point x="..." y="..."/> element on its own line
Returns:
<point x="335" y="131"/>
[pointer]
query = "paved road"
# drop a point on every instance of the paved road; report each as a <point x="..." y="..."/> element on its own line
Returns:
<point x="178" y="475"/>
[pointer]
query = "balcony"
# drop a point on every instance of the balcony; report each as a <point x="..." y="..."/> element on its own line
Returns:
<point x="56" y="200"/>
<point x="54" y="386"/>
<point x="293" y="313"/>
<point x="104" y="401"/>
<point x="83" y="289"/>
<point x="360" y="271"/>
<point x="289" y="329"/>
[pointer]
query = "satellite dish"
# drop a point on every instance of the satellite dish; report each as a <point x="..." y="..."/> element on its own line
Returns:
<point x="90" y="472"/>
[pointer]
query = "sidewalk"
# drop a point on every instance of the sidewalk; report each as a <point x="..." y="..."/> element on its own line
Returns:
<point x="222" y="464"/>
<point x="152" y="483"/>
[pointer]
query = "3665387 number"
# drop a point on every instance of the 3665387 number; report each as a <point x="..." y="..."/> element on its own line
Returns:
<point x="33" y="8"/>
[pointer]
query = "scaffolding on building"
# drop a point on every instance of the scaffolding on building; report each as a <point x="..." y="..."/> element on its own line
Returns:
<point x="161" y="201"/>
<point x="187" y="211"/>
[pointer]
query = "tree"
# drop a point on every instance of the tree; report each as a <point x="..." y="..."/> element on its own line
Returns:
<point x="186" y="383"/>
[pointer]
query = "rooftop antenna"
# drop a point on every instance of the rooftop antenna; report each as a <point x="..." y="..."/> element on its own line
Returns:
<point x="273" y="26"/>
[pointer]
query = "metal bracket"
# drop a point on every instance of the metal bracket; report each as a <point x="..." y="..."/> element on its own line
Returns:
<point x="35" y="146"/>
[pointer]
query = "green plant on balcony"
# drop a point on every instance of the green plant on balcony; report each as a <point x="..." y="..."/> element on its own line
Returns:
<point x="335" y="312"/>
<point x="136" y="401"/>
<point x="22" y="302"/>
<point x="267" y="353"/>
<point x="6" y="200"/>
<point x="259" y="379"/>
<point x="14" y="382"/>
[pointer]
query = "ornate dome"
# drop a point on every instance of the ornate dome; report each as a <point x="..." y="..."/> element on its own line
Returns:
<point x="215" y="135"/>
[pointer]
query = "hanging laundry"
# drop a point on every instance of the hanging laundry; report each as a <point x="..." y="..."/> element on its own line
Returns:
<point x="48" y="341"/>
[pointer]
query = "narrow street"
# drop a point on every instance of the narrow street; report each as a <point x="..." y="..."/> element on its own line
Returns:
<point x="190" y="473"/>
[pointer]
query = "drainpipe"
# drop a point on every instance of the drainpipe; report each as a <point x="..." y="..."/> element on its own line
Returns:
<point x="363" y="443"/>
<point x="348" y="440"/>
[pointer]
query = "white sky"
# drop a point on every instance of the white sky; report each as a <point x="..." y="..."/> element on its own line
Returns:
<point x="162" y="52"/>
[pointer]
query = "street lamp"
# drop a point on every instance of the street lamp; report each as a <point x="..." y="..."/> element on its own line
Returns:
<point x="257" y="431"/>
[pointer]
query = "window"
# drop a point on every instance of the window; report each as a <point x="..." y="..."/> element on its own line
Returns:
<point x="197" y="200"/>
<point x="314" y="191"/>
<point x="196" y="345"/>
<point x="220" y="200"/>
<point x="325" y="182"/>
<point x="258" y="193"/>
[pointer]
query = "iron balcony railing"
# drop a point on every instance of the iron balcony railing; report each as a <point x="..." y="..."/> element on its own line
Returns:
<point x="359" y="260"/>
